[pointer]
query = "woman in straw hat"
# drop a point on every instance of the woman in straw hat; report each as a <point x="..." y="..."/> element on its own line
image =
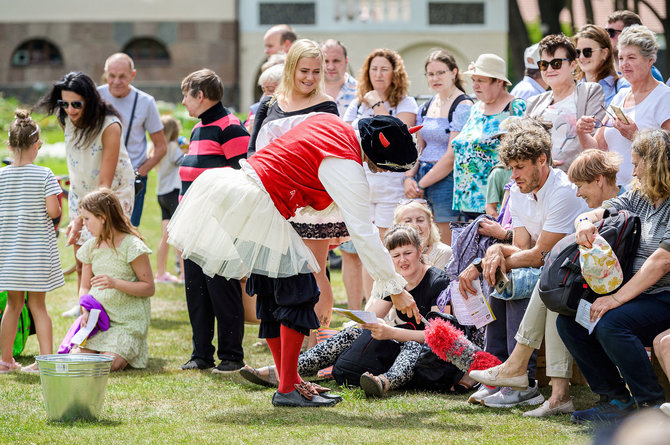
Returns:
<point x="476" y="146"/>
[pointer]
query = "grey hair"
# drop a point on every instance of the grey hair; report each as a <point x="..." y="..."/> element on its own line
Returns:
<point x="641" y="37"/>
<point x="272" y="74"/>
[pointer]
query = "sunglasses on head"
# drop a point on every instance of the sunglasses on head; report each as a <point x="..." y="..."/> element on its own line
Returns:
<point x="76" y="104"/>
<point x="612" y="32"/>
<point x="587" y="52"/>
<point x="555" y="64"/>
<point x="403" y="202"/>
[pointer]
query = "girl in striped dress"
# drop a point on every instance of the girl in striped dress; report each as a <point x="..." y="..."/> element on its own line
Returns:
<point x="28" y="252"/>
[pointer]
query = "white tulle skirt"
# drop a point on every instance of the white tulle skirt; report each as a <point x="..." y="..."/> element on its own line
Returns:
<point x="228" y="225"/>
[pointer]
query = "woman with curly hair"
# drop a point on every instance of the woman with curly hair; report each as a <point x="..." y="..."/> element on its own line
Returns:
<point x="382" y="90"/>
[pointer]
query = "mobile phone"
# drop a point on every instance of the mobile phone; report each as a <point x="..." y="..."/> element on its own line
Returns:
<point x="501" y="281"/>
<point x="620" y="114"/>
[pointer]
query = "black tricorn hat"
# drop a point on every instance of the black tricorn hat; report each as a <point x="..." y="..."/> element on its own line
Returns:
<point x="388" y="143"/>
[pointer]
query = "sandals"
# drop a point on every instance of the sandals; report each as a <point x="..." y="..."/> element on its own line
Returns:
<point x="254" y="376"/>
<point x="31" y="369"/>
<point x="374" y="385"/>
<point x="11" y="367"/>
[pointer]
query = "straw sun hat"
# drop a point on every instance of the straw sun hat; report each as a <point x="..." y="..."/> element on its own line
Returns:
<point x="489" y="65"/>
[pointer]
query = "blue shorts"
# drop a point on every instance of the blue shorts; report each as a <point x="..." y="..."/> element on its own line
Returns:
<point x="440" y="196"/>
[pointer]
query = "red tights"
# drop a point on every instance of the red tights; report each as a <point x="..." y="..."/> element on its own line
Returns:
<point x="285" y="351"/>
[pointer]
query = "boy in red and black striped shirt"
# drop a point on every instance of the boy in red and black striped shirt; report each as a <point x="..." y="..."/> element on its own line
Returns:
<point x="219" y="140"/>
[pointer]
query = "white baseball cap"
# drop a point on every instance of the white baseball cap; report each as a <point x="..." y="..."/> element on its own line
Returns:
<point x="531" y="56"/>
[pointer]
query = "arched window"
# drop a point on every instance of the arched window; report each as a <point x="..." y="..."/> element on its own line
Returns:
<point x="147" y="51"/>
<point x="36" y="52"/>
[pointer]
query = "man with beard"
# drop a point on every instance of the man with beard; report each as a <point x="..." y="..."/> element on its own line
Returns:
<point x="543" y="206"/>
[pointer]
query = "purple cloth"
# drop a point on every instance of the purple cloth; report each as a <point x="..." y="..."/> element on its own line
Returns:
<point x="466" y="245"/>
<point x="88" y="302"/>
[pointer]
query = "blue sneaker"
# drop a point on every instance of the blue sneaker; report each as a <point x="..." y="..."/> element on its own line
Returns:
<point x="606" y="411"/>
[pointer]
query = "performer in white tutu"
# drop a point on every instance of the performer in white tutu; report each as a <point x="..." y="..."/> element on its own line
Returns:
<point x="234" y="223"/>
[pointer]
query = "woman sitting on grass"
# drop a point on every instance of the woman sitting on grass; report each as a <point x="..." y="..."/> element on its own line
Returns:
<point x="424" y="283"/>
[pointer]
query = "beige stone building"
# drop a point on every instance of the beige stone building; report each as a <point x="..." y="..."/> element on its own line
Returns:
<point x="41" y="40"/>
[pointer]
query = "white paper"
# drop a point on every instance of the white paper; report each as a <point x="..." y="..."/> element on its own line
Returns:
<point x="473" y="311"/>
<point x="583" y="316"/>
<point x="83" y="334"/>
<point x="358" y="316"/>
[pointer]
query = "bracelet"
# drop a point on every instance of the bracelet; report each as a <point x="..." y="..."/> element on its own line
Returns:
<point x="406" y="178"/>
<point x="584" y="219"/>
<point x="377" y="104"/>
<point x="419" y="187"/>
<point x="613" y="298"/>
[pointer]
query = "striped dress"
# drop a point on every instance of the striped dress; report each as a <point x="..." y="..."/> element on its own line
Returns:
<point x="28" y="251"/>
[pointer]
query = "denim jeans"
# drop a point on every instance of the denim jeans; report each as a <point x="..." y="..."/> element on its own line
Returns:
<point x="614" y="355"/>
<point x="139" y="204"/>
<point x="440" y="195"/>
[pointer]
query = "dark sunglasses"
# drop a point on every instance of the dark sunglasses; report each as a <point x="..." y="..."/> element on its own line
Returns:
<point x="587" y="52"/>
<point x="76" y="104"/>
<point x="612" y="32"/>
<point x="555" y="64"/>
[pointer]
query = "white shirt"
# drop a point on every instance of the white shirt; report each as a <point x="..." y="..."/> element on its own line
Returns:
<point x="356" y="216"/>
<point x="552" y="209"/>
<point x="648" y="114"/>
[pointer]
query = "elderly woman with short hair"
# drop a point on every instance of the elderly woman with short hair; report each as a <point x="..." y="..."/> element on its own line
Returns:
<point x="612" y="358"/>
<point x="566" y="101"/>
<point x="646" y="104"/>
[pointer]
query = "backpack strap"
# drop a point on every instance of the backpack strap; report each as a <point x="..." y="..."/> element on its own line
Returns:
<point x="424" y="107"/>
<point x="455" y="103"/>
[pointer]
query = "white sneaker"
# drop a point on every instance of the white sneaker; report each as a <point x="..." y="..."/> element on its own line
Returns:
<point x="482" y="393"/>
<point x="508" y="397"/>
<point x="73" y="312"/>
<point x="665" y="408"/>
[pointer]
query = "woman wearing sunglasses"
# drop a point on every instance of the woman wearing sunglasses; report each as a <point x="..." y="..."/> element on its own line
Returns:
<point x="96" y="155"/>
<point x="595" y="61"/>
<point x="645" y="105"/>
<point x="567" y="101"/>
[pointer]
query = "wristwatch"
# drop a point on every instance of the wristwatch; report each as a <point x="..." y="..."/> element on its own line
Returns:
<point x="477" y="262"/>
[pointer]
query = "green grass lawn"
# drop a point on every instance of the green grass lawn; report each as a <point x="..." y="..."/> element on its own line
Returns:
<point x="162" y="404"/>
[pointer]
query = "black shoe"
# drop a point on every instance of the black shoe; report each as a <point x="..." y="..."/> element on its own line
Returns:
<point x="196" y="363"/>
<point x="326" y="395"/>
<point x="294" y="399"/>
<point x="228" y="366"/>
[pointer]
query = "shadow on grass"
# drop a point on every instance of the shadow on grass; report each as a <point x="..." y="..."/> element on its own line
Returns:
<point x="85" y="423"/>
<point x="156" y="366"/>
<point x="325" y="416"/>
<point x="165" y="324"/>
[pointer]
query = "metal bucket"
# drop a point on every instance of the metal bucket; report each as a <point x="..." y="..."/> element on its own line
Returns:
<point x="73" y="384"/>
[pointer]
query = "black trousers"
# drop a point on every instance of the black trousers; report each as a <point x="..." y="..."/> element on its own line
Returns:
<point x="209" y="298"/>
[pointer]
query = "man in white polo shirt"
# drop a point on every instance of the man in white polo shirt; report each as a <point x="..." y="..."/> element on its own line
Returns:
<point x="543" y="206"/>
<point x="139" y="115"/>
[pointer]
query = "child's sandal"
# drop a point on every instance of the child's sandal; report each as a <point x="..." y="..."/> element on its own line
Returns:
<point x="31" y="369"/>
<point x="10" y="367"/>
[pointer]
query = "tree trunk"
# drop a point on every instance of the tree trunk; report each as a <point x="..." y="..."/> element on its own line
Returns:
<point x="665" y="21"/>
<point x="549" y="12"/>
<point x="518" y="40"/>
<point x="588" y="9"/>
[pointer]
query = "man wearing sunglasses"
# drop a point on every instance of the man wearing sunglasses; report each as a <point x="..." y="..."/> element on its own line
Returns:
<point x="139" y="115"/>
<point x="616" y="23"/>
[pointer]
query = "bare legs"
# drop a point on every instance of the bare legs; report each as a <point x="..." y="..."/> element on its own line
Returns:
<point x="661" y="350"/>
<point x="324" y="307"/>
<point x="118" y="362"/>
<point x="445" y="232"/>
<point x="10" y="320"/>
<point x="352" y="277"/>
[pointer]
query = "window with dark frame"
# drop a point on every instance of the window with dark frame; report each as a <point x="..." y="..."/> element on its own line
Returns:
<point x="147" y="51"/>
<point x="36" y="52"/>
